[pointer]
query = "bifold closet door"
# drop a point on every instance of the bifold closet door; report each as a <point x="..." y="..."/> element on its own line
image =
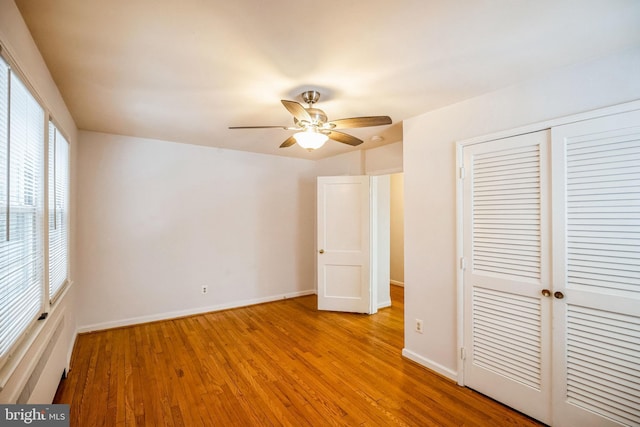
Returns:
<point x="507" y="320"/>
<point x="577" y="267"/>
<point x="596" y="245"/>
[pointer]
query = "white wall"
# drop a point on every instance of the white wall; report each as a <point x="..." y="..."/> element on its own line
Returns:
<point x="397" y="229"/>
<point x="383" y="160"/>
<point x="351" y="163"/>
<point x="430" y="178"/>
<point x="15" y="37"/>
<point x="157" y="220"/>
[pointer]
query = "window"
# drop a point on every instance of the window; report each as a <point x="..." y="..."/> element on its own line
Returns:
<point x="26" y="235"/>
<point x="58" y="210"/>
<point x="21" y="209"/>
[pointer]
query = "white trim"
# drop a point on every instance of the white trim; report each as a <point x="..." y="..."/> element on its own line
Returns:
<point x="390" y="171"/>
<point x="6" y="52"/>
<point x="373" y="244"/>
<point x="535" y="127"/>
<point x="459" y="256"/>
<point x="72" y="345"/>
<point x="429" y="364"/>
<point x="397" y="283"/>
<point x="189" y="312"/>
<point x="40" y="329"/>
<point x="27" y="369"/>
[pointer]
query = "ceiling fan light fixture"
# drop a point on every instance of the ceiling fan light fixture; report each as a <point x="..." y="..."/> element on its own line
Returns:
<point x="310" y="139"/>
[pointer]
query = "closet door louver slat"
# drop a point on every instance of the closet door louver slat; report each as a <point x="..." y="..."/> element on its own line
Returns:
<point x="521" y="193"/>
<point x="609" y="159"/>
<point x="512" y="330"/>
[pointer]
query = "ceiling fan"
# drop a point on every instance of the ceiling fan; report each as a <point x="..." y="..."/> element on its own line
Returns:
<point x="313" y="128"/>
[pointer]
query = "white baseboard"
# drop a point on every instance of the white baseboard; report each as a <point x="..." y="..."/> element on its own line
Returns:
<point x="189" y="312"/>
<point x="70" y="351"/>
<point x="430" y="364"/>
<point x="395" y="282"/>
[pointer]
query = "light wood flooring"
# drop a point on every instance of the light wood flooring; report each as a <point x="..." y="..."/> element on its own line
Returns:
<point x="277" y="364"/>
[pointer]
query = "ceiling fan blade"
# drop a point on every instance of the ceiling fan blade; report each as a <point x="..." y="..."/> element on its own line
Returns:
<point x="297" y="110"/>
<point x="288" y="142"/>
<point x="362" y="122"/>
<point x="344" y="138"/>
<point x="258" y="127"/>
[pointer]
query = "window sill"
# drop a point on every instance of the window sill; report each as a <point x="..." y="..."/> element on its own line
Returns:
<point x="33" y="345"/>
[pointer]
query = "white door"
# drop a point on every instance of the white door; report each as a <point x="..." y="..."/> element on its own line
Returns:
<point x="344" y="243"/>
<point x="596" y="223"/>
<point x="507" y="320"/>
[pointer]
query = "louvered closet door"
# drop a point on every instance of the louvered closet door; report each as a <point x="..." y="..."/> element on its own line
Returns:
<point x="506" y="243"/>
<point x="596" y="222"/>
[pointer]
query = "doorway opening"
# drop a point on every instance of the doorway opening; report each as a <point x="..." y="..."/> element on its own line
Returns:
<point x="396" y="239"/>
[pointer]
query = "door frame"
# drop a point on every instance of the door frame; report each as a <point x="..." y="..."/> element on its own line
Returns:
<point x="460" y="145"/>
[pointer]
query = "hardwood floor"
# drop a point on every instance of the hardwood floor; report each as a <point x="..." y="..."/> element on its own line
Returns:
<point x="275" y="364"/>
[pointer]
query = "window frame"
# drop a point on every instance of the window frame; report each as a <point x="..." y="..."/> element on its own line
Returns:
<point x="52" y="297"/>
<point x="14" y="353"/>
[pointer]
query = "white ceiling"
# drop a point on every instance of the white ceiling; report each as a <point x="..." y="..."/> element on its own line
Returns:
<point x="185" y="70"/>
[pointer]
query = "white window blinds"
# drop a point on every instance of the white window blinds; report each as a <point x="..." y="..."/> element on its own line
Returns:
<point x="4" y="149"/>
<point x="58" y="210"/>
<point x="21" y="207"/>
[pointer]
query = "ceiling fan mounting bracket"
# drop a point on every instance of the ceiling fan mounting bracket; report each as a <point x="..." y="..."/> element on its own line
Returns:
<point x="310" y="97"/>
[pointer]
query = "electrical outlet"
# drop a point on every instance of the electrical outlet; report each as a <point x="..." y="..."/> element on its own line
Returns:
<point x="205" y="289"/>
<point x="419" y="326"/>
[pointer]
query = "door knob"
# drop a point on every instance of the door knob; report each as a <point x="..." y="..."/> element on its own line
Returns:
<point x="546" y="293"/>
<point x="558" y="295"/>
<point x="321" y="251"/>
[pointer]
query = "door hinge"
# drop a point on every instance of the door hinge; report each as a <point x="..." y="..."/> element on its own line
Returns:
<point x="463" y="354"/>
<point x="463" y="263"/>
<point x="462" y="173"/>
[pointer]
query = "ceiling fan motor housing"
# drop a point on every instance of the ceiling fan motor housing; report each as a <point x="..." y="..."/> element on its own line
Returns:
<point x="317" y="116"/>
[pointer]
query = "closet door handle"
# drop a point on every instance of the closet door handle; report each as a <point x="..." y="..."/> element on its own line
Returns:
<point x="558" y="295"/>
<point x="321" y="251"/>
<point x="546" y="293"/>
